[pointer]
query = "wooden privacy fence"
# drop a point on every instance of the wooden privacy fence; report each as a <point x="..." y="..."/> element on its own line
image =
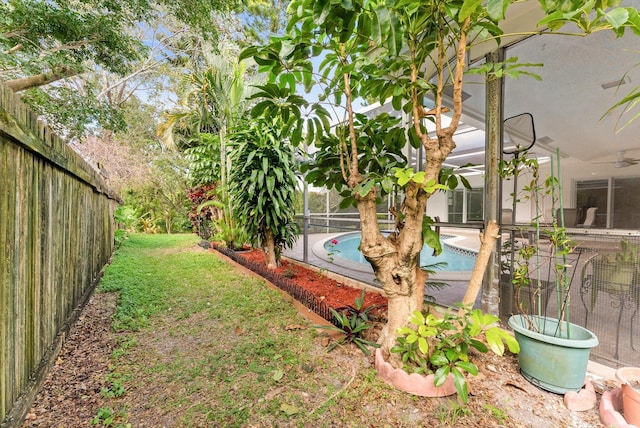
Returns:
<point x="56" y="235"/>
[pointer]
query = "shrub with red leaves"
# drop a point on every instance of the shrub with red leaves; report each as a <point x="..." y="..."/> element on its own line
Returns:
<point x="202" y="220"/>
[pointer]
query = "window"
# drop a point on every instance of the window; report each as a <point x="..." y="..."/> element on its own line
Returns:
<point x="592" y="193"/>
<point x="465" y="205"/>
<point x="616" y="198"/>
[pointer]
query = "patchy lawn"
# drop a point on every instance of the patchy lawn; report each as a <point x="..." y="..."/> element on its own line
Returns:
<point x="196" y="342"/>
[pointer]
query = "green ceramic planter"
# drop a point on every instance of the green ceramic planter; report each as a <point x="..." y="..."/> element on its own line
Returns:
<point x="550" y="360"/>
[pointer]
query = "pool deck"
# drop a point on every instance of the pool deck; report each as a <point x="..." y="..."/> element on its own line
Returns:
<point x="447" y="296"/>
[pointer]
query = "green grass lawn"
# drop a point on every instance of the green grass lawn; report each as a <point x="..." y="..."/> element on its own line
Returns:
<point x="202" y="343"/>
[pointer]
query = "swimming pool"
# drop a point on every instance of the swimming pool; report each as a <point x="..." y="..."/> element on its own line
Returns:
<point x="347" y="248"/>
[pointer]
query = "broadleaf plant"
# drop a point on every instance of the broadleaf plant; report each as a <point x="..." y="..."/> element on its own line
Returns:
<point x="440" y="345"/>
<point x="352" y="321"/>
<point x="263" y="184"/>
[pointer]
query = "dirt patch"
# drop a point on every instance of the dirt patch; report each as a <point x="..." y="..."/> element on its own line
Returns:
<point x="70" y="395"/>
<point x="499" y="395"/>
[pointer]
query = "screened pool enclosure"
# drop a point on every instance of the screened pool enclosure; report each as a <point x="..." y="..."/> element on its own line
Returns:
<point x="600" y="165"/>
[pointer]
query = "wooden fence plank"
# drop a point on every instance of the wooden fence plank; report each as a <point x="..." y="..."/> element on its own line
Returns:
<point x="56" y="234"/>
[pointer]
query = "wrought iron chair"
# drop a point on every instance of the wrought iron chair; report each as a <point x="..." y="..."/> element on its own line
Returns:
<point x="619" y="281"/>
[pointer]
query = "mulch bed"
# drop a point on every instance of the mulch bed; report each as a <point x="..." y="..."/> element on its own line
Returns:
<point x="329" y="291"/>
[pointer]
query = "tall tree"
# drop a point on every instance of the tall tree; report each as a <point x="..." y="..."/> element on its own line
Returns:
<point x="76" y="62"/>
<point x="41" y="42"/>
<point x="410" y="51"/>
<point x="264" y="18"/>
<point x="217" y="99"/>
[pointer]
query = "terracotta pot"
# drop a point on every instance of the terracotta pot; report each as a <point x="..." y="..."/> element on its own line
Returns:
<point x="610" y="408"/>
<point x="630" y="378"/>
<point x="413" y="383"/>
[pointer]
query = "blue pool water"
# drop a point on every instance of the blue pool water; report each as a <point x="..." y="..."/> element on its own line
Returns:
<point x="347" y="248"/>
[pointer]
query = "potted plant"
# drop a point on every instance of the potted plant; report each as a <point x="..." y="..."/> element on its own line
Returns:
<point x="565" y="347"/>
<point x="435" y="351"/>
<point x="630" y="379"/>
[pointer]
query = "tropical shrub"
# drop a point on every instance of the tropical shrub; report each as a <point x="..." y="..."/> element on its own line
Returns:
<point x="204" y="160"/>
<point x="262" y="185"/>
<point x="353" y="321"/>
<point x="440" y="345"/>
<point x="203" y="216"/>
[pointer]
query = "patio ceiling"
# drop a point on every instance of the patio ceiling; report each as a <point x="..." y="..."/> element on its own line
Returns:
<point x="579" y="83"/>
<point x="581" y="79"/>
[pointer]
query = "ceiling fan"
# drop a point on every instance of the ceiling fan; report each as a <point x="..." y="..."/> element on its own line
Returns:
<point x="622" y="161"/>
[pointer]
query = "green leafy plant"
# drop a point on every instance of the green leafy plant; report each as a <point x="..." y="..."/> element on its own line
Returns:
<point x="262" y="184"/>
<point x="358" y="308"/>
<point x="289" y="272"/>
<point x="499" y="414"/>
<point x="119" y="236"/>
<point x="537" y="269"/>
<point x="227" y="229"/>
<point x="205" y="166"/>
<point x="116" y="386"/>
<point x="448" y="414"/>
<point x="441" y="345"/>
<point x="125" y="218"/>
<point x="231" y="234"/>
<point x="107" y="417"/>
<point x="124" y="346"/>
<point x="353" y="321"/>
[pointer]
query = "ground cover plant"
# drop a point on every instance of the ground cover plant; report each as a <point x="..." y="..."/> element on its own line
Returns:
<point x="197" y="341"/>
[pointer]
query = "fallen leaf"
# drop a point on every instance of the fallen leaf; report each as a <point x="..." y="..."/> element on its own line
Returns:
<point x="515" y="385"/>
<point x="288" y="409"/>
<point x="277" y="375"/>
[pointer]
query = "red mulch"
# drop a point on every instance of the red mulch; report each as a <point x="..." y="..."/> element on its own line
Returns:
<point x="334" y="293"/>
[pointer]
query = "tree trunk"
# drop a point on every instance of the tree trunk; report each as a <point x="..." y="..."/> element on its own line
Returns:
<point x="401" y="306"/>
<point x="396" y="259"/>
<point x="488" y="241"/>
<point x="270" y="256"/>
<point x="41" y="79"/>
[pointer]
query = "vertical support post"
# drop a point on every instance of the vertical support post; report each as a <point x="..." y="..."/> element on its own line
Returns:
<point x="494" y="113"/>
<point x="305" y="216"/>
<point x="326" y="209"/>
<point x="305" y="223"/>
